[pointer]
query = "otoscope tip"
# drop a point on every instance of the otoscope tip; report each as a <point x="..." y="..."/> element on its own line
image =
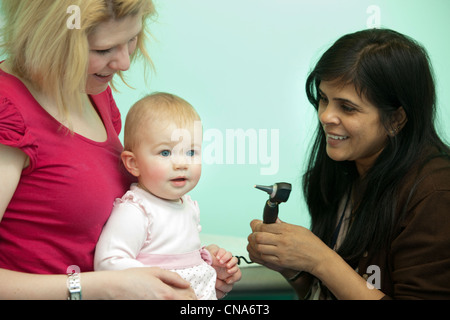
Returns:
<point x="268" y="189"/>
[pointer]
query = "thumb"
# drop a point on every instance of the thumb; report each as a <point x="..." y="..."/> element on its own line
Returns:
<point x="173" y="279"/>
<point x="279" y="221"/>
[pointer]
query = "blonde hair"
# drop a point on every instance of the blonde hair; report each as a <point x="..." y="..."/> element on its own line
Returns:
<point x="54" y="58"/>
<point x="157" y="107"/>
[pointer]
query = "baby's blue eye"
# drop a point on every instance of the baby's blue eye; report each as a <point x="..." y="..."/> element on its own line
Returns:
<point x="165" y="153"/>
<point x="190" y="153"/>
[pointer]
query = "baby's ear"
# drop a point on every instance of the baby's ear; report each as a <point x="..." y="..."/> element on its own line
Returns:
<point x="129" y="161"/>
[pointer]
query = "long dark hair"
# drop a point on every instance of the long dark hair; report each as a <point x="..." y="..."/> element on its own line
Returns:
<point x="390" y="70"/>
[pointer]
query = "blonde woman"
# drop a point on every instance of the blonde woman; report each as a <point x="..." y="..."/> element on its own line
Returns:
<point x="59" y="148"/>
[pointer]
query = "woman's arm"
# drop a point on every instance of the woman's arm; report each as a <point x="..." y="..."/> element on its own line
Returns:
<point x="344" y="282"/>
<point x="287" y="248"/>
<point x="12" y="162"/>
<point x="300" y="281"/>
<point x="17" y="285"/>
<point x="138" y="283"/>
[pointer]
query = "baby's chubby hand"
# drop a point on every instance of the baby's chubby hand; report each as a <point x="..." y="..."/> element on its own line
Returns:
<point x="226" y="267"/>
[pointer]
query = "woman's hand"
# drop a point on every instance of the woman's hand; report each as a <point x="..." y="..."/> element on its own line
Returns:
<point x="226" y="268"/>
<point x="286" y="248"/>
<point x="281" y="246"/>
<point x="146" y="283"/>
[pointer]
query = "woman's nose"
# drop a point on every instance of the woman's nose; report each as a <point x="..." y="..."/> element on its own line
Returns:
<point x="328" y="115"/>
<point x="121" y="60"/>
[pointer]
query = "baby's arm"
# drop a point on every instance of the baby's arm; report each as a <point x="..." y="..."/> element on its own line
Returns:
<point x="121" y="239"/>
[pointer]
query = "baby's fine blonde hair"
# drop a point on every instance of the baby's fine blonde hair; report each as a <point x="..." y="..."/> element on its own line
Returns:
<point x="43" y="50"/>
<point x="156" y="108"/>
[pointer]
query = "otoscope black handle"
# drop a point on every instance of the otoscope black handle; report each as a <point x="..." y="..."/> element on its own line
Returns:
<point x="270" y="214"/>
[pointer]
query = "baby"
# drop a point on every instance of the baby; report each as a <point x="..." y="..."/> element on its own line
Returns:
<point x="156" y="223"/>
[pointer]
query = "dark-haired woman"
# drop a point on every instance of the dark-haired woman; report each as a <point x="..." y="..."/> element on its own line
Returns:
<point x="377" y="183"/>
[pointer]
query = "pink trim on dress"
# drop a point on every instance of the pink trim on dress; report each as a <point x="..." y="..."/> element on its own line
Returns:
<point x="176" y="261"/>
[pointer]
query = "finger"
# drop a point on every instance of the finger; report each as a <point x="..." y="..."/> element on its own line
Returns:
<point x="221" y="285"/>
<point x="256" y="224"/>
<point x="264" y="238"/>
<point x="255" y="258"/>
<point x="236" y="276"/>
<point x="232" y="262"/>
<point x="173" y="279"/>
<point x="232" y="270"/>
<point x="268" y="249"/>
<point x="250" y="239"/>
<point x="275" y="228"/>
<point x="220" y="294"/>
<point x="213" y="249"/>
<point x="184" y="294"/>
<point x="251" y="251"/>
<point x="226" y="258"/>
<point x="270" y="258"/>
<point x="223" y="256"/>
<point x="220" y="252"/>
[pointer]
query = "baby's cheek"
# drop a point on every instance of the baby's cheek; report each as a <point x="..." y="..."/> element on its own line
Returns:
<point x="154" y="176"/>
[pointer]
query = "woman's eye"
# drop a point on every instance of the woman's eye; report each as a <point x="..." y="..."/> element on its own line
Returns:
<point x="165" y="153"/>
<point x="103" y="52"/>
<point x="322" y="98"/>
<point x="347" y="108"/>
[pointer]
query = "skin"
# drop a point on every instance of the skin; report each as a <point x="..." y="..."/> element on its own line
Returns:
<point x="165" y="167"/>
<point x="352" y="126"/>
<point x="354" y="132"/>
<point x="168" y="169"/>
<point x="110" y="52"/>
<point x="288" y="249"/>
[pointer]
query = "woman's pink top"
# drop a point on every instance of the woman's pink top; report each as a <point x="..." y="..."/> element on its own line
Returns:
<point x="66" y="194"/>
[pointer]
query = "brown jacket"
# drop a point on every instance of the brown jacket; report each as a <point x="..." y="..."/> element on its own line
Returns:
<point x="417" y="264"/>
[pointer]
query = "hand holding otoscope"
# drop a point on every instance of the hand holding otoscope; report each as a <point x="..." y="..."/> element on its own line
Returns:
<point x="278" y="193"/>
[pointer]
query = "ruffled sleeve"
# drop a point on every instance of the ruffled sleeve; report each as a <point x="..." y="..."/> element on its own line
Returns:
<point x="196" y="209"/>
<point x="13" y="131"/>
<point x="131" y="197"/>
<point x="123" y="236"/>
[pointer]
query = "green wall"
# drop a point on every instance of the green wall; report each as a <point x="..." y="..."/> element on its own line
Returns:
<point x="243" y="64"/>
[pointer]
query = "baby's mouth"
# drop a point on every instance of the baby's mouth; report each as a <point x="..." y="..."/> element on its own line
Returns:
<point x="179" y="181"/>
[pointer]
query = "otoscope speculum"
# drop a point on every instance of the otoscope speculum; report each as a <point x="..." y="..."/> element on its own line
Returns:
<point x="278" y="193"/>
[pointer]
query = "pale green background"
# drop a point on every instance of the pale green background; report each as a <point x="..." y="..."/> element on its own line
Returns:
<point x="243" y="63"/>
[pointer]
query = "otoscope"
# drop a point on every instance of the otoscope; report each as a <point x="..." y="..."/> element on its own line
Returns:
<point x="279" y="192"/>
